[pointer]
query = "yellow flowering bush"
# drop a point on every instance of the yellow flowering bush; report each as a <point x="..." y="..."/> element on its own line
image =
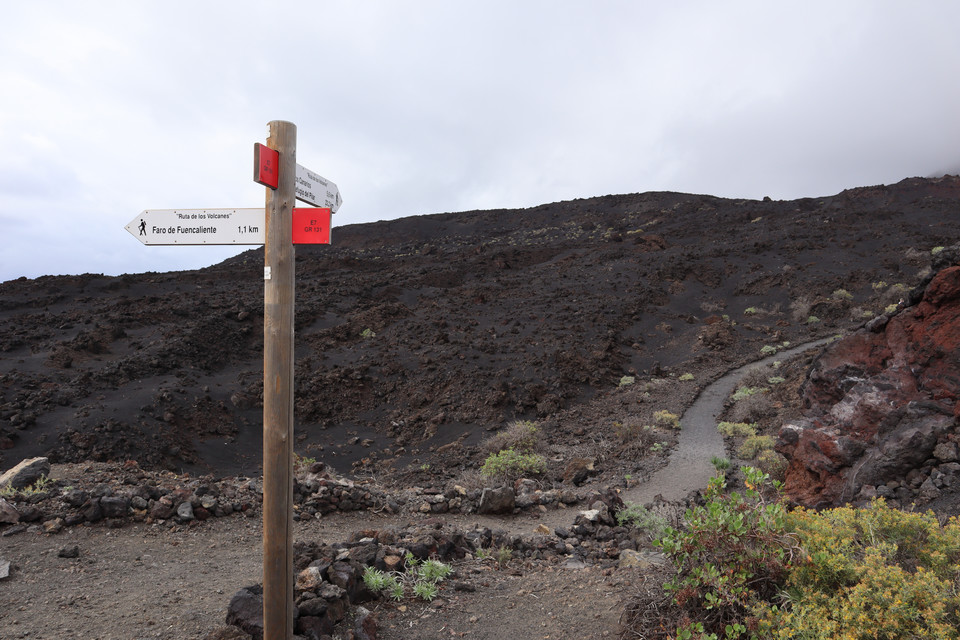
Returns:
<point x="754" y="445"/>
<point x="737" y="429"/>
<point x="664" y="418"/>
<point x="875" y="573"/>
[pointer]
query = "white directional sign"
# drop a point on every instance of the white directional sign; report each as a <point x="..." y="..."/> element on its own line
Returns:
<point x="199" y="226"/>
<point x="316" y="190"/>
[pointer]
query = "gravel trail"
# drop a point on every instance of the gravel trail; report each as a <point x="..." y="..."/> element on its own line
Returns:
<point x="689" y="468"/>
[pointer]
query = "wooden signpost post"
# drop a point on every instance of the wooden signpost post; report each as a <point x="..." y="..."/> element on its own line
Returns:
<point x="278" y="226"/>
<point x="278" y="279"/>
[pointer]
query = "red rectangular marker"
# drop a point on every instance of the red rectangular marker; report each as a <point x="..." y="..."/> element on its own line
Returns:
<point x="311" y="226"/>
<point x="266" y="165"/>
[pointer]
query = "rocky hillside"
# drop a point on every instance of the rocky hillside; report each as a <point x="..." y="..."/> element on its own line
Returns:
<point x="418" y="337"/>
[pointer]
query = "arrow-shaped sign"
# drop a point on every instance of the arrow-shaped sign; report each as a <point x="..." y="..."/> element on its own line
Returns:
<point x="224" y="226"/>
<point x="316" y="190"/>
<point x="199" y="226"/>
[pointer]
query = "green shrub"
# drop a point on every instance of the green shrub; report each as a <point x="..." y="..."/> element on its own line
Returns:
<point x="754" y="445"/>
<point x="626" y="380"/>
<point x="420" y="578"/>
<point x="880" y="285"/>
<point x="302" y="463"/>
<point x="500" y="556"/>
<point x="639" y="517"/>
<point x="374" y="579"/>
<point x="722" y="465"/>
<point x="521" y="435"/>
<point x="776" y="380"/>
<point x="367" y="333"/>
<point x="737" y="429"/>
<point x="510" y="464"/>
<point x="732" y="556"/>
<point x="634" y="437"/>
<point x="664" y="418"/>
<point x="768" y="350"/>
<point x="841" y="294"/>
<point x="936" y="250"/>
<point x="747" y="569"/>
<point x="40" y="485"/>
<point x="751" y="311"/>
<point x="745" y="392"/>
<point x="813" y="320"/>
<point x="686" y="377"/>
<point x="433" y="571"/>
<point x="773" y="464"/>
<point x="425" y="590"/>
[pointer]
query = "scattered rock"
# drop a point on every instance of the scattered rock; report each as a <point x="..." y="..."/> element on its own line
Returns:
<point x="309" y="579"/>
<point x="26" y="473"/>
<point x="365" y="625"/>
<point x="185" y="511"/>
<point x="246" y="611"/>
<point x="8" y="513"/>
<point x="578" y="470"/>
<point x="53" y="526"/>
<point x="497" y="500"/>
<point x="319" y="492"/>
<point x="114" y="506"/>
<point x="946" y="452"/>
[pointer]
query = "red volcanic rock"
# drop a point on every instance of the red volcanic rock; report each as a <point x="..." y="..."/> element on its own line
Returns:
<point x="876" y="404"/>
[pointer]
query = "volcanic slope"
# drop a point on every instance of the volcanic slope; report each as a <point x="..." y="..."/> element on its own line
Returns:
<point x="436" y="330"/>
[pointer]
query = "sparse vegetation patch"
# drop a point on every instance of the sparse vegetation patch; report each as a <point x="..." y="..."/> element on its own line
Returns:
<point x="754" y="445"/>
<point x="509" y="465"/>
<point x="667" y="419"/>
<point x="746" y="392"/>
<point x="737" y="429"/>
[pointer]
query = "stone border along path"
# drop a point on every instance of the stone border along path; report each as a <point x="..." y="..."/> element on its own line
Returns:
<point x="688" y="467"/>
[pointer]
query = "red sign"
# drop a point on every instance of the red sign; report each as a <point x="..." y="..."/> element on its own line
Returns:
<point x="311" y="226"/>
<point x="266" y="165"/>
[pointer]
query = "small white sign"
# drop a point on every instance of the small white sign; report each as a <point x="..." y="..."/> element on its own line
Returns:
<point x="199" y="226"/>
<point x="317" y="190"/>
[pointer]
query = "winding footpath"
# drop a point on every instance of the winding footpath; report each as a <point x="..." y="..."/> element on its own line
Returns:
<point x="689" y="468"/>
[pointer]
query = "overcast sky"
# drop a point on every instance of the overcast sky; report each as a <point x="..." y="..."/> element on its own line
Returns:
<point x="110" y="108"/>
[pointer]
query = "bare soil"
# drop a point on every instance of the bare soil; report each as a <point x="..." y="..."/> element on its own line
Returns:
<point x="144" y="581"/>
